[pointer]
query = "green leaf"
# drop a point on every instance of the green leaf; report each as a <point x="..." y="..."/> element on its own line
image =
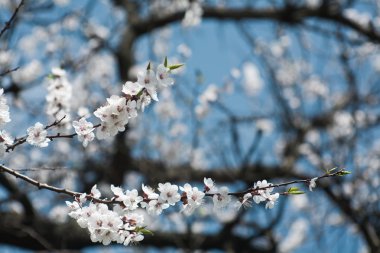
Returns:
<point x="343" y="173"/>
<point x="295" y="191"/>
<point x="140" y="93"/>
<point x="175" y="66"/>
<point x="331" y="170"/>
<point x="144" y="231"/>
<point x="166" y="62"/>
<point x="148" y="67"/>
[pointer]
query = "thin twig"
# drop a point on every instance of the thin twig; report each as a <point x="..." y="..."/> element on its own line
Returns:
<point x="6" y="72"/>
<point x="10" y="21"/>
<point x="254" y="190"/>
<point x="76" y="195"/>
<point x="40" y="185"/>
<point x="41" y="169"/>
<point x="21" y="140"/>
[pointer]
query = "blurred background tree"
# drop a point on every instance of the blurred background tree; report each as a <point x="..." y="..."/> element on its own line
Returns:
<point x="275" y="90"/>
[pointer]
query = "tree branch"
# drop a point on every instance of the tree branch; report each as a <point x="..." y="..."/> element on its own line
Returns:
<point x="287" y="14"/>
<point x="13" y="17"/>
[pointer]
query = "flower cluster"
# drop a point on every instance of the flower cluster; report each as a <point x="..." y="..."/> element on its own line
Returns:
<point x="192" y="198"/>
<point x="123" y="224"/>
<point x="114" y="115"/>
<point x="137" y="95"/>
<point x="59" y="95"/>
<point x="265" y="194"/>
<point x="84" y="129"/>
<point x="105" y="225"/>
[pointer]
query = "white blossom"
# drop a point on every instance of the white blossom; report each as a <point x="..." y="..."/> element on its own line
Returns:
<point x="132" y="88"/>
<point x="59" y="96"/>
<point x="253" y="82"/>
<point x="4" y="109"/>
<point x="95" y="192"/>
<point x="132" y="199"/>
<point x="163" y="76"/>
<point x="144" y="101"/>
<point x="169" y="193"/>
<point x="149" y="81"/>
<point x="37" y="135"/>
<point x="271" y="200"/>
<point x="313" y="183"/>
<point x="29" y="72"/>
<point x="194" y="198"/>
<point x="133" y="238"/>
<point x="221" y="199"/>
<point x="114" y="117"/>
<point x="193" y="15"/>
<point x="5" y="139"/>
<point x="262" y="194"/>
<point x="84" y="129"/>
<point x="156" y="206"/>
<point x="209" y="184"/>
<point x="244" y="201"/>
<point x="149" y="192"/>
<point x="132" y="108"/>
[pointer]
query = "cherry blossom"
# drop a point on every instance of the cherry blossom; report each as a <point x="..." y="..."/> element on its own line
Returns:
<point x="271" y="200"/>
<point x="84" y="129"/>
<point x="132" y="88"/>
<point x="156" y="206"/>
<point x="5" y="139"/>
<point x="163" y="76"/>
<point x="193" y="15"/>
<point x="262" y="194"/>
<point x="113" y="115"/>
<point x="37" y="135"/>
<point x="169" y="193"/>
<point x="4" y="109"/>
<point x="313" y="183"/>
<point x="209" y="185"/>
<point x="194" y="198"/>
<point x="149" y="81"/>
<point x="244" y="201"/>
<point x="59" y="95"/>
<point x="149" y="192"/>
<point x="132" y="199"/>
<point x="221" y="199"/>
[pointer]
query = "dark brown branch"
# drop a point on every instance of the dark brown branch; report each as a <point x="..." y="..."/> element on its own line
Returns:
<point x="40" y="186"/>
<point x="13" y="17"/>
<point x="6" y="72"/>
<point x="21" y="140"/>
<point x="290" y="15"/>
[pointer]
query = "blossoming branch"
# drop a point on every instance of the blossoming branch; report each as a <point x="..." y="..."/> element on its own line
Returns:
<point x="124" y="225"/>
<point x="117" y="219"/>
<point x="114" y="115"/>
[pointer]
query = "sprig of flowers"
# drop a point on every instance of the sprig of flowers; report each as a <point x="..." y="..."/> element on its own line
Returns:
<point x="114" y="115"/>
<point x="123" y="224"/>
